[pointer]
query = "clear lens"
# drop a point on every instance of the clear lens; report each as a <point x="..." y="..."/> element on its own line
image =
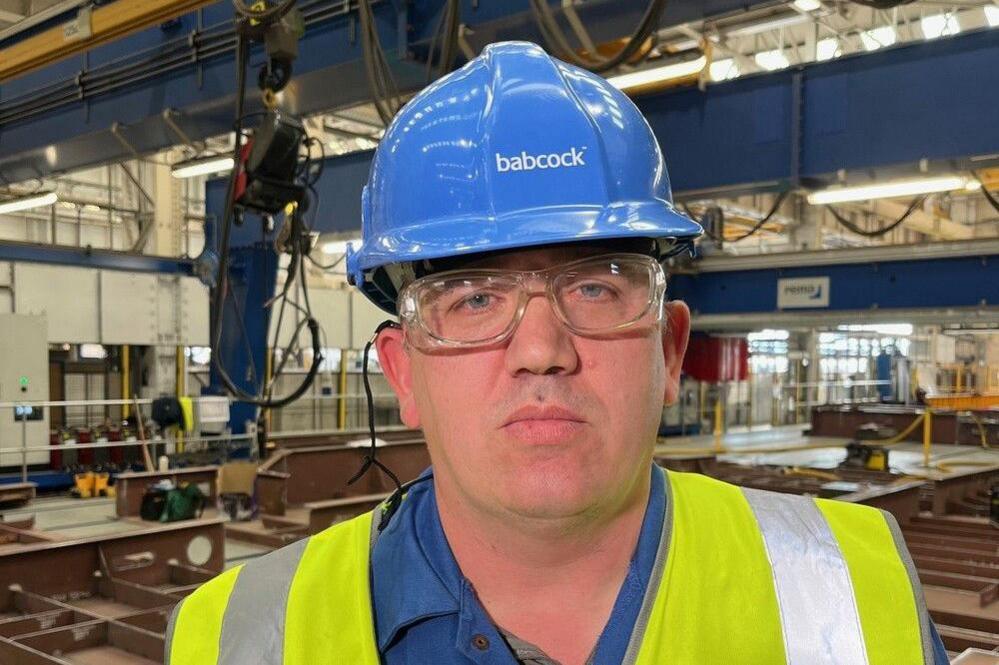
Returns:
<point x="469" y="308"/>
<point x="593" y="296"/>
<point x="604" y="295"/>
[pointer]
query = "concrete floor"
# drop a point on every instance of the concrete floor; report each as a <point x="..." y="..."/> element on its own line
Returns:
<point x="828" y="452"/>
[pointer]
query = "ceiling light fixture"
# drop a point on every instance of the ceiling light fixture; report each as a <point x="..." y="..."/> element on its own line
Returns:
<point x="656" y="76"/>
<point x="808" y="5"/>
<point x="28" y="202"/>
<point x="771" y="60"/>
<point x="878" y="37"/>
<point x="201" y="166"/>
<point x="892" y="189"/>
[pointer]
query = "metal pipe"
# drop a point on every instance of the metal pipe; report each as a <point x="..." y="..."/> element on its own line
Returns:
<point x="129" y="444"/>
<point x="341" y="415"/>
<point x="927" y="431"/>
<point x="126" y="381"/>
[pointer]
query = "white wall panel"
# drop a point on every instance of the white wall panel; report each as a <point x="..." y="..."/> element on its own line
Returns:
<point x="194" y="306"/>
<point x="128" y="308"/>
<point x="67" y="296"/>
<point x="365" y="319"/>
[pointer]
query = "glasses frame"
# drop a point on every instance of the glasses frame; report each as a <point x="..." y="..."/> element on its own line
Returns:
<point x="409" y="311"/>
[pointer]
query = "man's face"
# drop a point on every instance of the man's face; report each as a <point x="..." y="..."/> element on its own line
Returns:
<point x="549" y="424"/>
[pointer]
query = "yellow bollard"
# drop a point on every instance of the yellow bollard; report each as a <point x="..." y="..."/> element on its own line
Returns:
<point x="927" y="430"/>
<point x="718" y="425"/>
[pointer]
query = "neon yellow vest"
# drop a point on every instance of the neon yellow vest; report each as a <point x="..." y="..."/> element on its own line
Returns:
<point x="742" y="576"/>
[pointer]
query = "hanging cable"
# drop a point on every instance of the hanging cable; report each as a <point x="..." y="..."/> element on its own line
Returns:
<point x="560" y="46"/>
<point x="766" y="218"/>
<point x="384" y="91"/>
<point x="756" y="227"/>
<point x="371" y="458"/>
<point x="298" y="242"/>
<point x="985" y="190"/>
<point x="916" y="202"/>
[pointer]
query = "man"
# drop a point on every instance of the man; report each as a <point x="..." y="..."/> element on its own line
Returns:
<point x="515" y="219"/>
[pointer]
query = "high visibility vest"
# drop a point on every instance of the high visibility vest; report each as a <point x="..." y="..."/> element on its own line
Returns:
<point x="741" y="576"/>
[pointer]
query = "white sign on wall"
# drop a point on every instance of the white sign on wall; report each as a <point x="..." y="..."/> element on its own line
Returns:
<point x="802" y="292"/>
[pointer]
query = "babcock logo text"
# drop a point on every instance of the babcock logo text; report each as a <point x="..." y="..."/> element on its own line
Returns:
<point x="553" y="160"/>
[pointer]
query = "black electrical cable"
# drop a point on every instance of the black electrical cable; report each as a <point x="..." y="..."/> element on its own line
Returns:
<point x="985" y="190"/>
<point x="371" y="458"/>
<point x="242" y="61"/>
<point x="559" y="44"/>
<point x="384" y="91"/>
<point x="916" y="202"/>
<point x="766" y="218"/>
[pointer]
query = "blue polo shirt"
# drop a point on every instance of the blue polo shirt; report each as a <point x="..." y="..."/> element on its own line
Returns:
<point x="424" y="606"/>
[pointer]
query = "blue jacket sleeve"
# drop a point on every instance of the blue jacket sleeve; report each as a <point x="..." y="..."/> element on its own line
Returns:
<point x="939" y="652"/>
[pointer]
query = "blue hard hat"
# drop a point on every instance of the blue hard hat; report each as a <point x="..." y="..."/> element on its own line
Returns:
<point x="515" y="149"/>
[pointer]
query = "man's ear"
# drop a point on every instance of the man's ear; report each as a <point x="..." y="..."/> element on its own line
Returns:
<point x="395" y="362"/>
<point x="676" y="332"/>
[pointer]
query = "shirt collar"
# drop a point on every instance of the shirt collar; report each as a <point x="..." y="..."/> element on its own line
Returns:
<point x="414" y="575"/>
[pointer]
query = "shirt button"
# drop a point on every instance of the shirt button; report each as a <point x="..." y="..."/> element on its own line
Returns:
<point x="480" y="642"/>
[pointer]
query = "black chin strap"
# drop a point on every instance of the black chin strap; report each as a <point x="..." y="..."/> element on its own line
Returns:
<point x="371" y="458"/>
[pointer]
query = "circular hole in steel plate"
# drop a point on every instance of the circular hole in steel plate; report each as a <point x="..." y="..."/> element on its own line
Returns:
<point x="199" y="550"/>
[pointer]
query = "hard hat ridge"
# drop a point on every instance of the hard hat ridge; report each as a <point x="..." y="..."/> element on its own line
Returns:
<point x="515" y="149"/>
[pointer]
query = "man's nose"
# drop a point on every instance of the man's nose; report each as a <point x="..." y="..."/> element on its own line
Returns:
<point x="541" y="344"/>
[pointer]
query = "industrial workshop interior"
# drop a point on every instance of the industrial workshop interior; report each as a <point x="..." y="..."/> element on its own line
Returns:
<point x="188" y="374"/>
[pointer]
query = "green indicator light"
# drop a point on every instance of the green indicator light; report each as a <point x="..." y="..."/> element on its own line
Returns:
<point x="24" y="381"/>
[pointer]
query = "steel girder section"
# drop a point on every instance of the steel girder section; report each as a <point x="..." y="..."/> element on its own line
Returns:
<point x="929" y="100"/>
<point x="186" y="64"/>
<point x="864" y="111"/>
<point x="92" y="258"/>
<point x="876" y="288"/>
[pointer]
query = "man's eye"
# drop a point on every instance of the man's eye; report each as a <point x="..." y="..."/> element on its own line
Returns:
<point x="475" y="303"/>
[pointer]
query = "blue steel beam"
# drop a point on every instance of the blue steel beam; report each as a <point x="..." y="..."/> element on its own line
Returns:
<point x="873" y="280"/>
<point x="92" y="258"/>
<point x="930" y="100"/>
<point x="67" y="110"/>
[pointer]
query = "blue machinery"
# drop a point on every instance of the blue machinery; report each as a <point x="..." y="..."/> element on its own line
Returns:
<point x="932" y="100"/>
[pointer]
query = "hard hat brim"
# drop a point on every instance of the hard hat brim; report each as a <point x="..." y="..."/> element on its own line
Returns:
<point x="469" y="235"/>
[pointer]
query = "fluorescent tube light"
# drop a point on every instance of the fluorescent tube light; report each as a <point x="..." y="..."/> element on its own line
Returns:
<point x="771" y="60"/>
<point x="203" y="166"/>
<point x="827" y="49"/>
<point x="722" y="70"/>
<point x="887" y="190"/>
<point x="660" y="74"/>
<point x="27" y="202"/>
<point x="939" y="25"/>
<point x="770" y="24"/>
<point x="808" y="5"/>
<point x="878" y="37"/>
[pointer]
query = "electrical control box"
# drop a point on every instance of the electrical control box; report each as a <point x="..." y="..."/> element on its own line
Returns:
<point x="24" y="377"/>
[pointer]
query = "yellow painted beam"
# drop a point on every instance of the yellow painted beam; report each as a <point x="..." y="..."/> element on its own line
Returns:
<point x="107" y="23"/>
<point x="964" y="402"/>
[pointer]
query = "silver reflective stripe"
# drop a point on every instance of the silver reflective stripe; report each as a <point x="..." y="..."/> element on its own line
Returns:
<point x="818" y="610"/>
<point x="253" y="625"/>
<point x="171" y="624"/>
<point x="652" y="589"/>
<point x="917" y="588"/>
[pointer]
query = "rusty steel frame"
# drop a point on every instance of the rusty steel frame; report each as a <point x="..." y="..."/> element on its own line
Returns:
<point x="303" y="490"/>
<point x="947" y="427"/>
<point x="109" y="597"/>
<point x="131" y="487"/>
